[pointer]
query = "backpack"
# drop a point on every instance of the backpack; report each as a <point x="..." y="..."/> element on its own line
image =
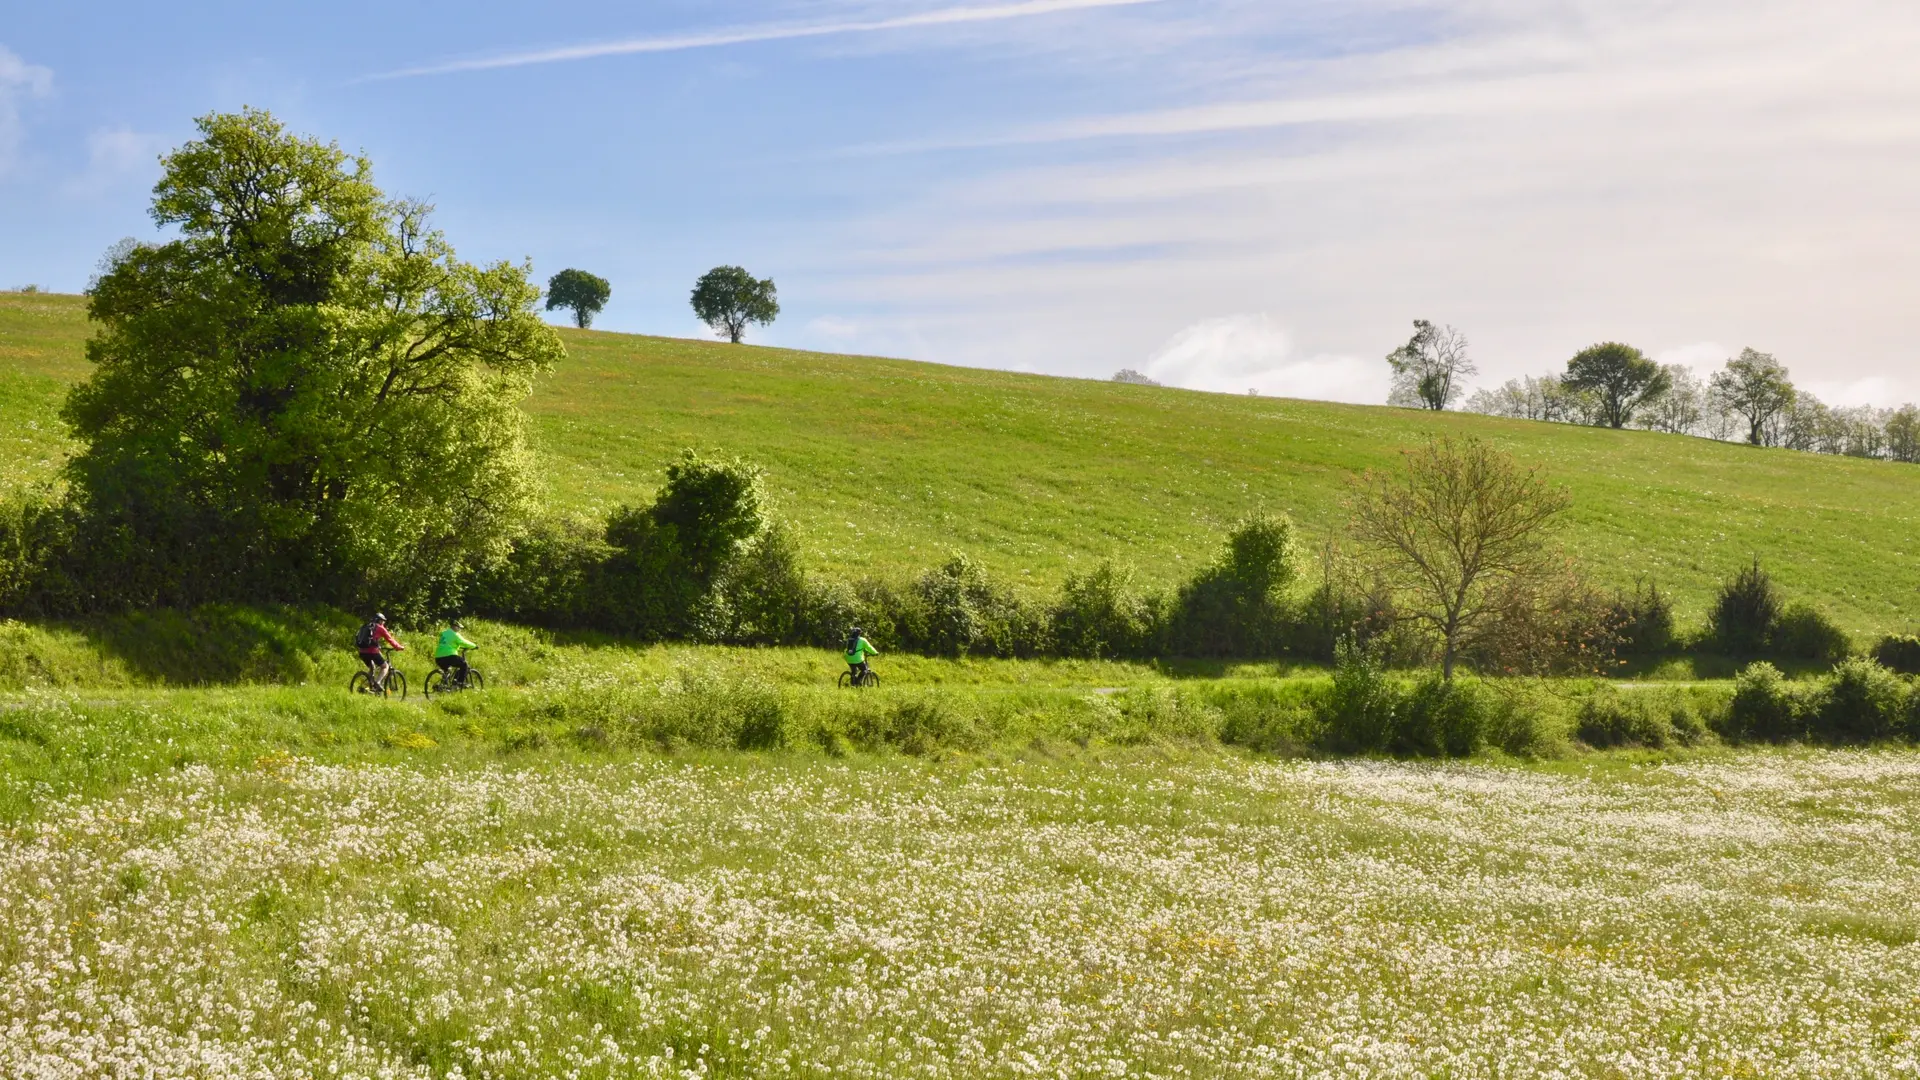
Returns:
<point x="363" y="640"/>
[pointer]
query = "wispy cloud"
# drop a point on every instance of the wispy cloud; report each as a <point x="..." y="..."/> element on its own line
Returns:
<point x="746" y="35"/>
<point x="18" y="79"/>
<point x="1548" y="176"/>
<point x="116" y="156"/>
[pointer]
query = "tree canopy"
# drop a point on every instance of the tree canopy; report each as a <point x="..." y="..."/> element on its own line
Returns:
<point x="1620" y="377"/>
<point x="728" y="299"/>
<point x="1754" y="385"/>
<point x="577" y="291"/>
<point x="1429" y="369"/>
<point x="305" y="396"/>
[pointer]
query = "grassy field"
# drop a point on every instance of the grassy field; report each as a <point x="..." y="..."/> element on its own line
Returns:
<point x="1143" y="913"/>
<point x="885" y="466"/>
<point x="214" y="862"/>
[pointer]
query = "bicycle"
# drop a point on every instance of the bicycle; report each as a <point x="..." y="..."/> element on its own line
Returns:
<point x="439" y="682"/>
<point x="395" y="684"/>
<point x="860" y="681"/>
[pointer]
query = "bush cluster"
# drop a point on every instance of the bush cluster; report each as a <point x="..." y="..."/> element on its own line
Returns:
<point x="1751" y="619"/>
<point x="1366" y="709"/>
<point x="1653" y="719"/>
<point x="1858" y="702"/>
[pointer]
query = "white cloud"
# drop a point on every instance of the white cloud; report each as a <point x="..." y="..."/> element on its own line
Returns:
<point x="833" y="328"/>
<point x="117" y="156"/>
<point x="1876" y="390"/>
<point x="1250" y="352"/>
<point x="1703" y="357"/>
<point x="745" y="35"/>
<point x="18" y="80"/>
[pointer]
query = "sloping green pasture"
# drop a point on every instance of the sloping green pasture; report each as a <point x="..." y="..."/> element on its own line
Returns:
<point x="886" y="466"/>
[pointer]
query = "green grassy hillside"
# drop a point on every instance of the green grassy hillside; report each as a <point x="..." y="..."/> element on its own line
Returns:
<point x="885" y="466"/>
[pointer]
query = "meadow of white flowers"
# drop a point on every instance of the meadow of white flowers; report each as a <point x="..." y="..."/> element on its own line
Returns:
<point x="767" y="917"/>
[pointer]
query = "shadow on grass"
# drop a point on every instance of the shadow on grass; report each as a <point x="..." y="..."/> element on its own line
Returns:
<point x="219" y="644"/>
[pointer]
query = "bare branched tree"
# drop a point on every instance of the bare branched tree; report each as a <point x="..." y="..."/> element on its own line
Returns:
<point x="1455" y="533"/>
<point x="1430" y="370"/>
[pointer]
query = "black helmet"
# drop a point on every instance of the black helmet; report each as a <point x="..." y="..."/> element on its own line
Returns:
<point x="377" y="617"/>
<point x="856" y="630"/>
<point x="454" y="623"/>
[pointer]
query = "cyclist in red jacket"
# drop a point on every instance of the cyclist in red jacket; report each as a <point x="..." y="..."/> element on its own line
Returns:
<point x="369" y="641"/>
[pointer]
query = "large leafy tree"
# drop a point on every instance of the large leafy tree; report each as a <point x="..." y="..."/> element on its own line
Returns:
<point x="1621" y="379"/>
<point x="577" y="291"/>
<point x="1430" y="370"/>
<point x="728" y="299"/>
<point x="1755" y="387"/>
<point x="305" y="395"/>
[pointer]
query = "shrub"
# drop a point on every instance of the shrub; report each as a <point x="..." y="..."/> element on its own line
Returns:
<point x="1235" y="607"/>
<point x="1442" y="718"/>
<point x="1803" y="633"/>
<point x="1860" y="702"/>
<point x="763" y="596"/>
<point x="1146" y="714"/>
<point x="1745" y="612"/>
<point x="1524" y="718"/>
<point x="1643" y="620"/>
<point x="1898" y="653"/>
<point x="694" y="706"/>
<point x="1545" y="624"/>
<point x="956" y="610"/>
<point x="1360" y="710"/>
<point x="1609" y="719"/>
<point x="924" y="723"/>
<point x="549" y="576"/>
<point x="1268" y="719"/>
<point x="1648" y="718"/>
<point x="1100" y="614"/>
<point x="670" y="554"/>
<point x="918" y="724"/>
<point x="1764" y="707"/>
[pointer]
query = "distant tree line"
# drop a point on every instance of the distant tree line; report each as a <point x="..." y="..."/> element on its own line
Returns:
<point x="1751" y="399"/>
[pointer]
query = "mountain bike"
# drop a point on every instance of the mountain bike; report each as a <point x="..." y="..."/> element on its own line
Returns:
<point x="440" y="682"/>
<point x="394" y="685"/>
<point x="869" y="678"/>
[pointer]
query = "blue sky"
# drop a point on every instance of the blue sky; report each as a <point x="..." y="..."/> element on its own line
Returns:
<point x="1230" y="193"/>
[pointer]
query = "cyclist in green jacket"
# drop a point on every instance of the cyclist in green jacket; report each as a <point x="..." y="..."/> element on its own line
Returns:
<point x="858" y="649"/>
<point x="447" y="653"/>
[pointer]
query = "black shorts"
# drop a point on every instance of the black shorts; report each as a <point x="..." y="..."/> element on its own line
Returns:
<point x="449" y="663"/>
<point x="374" y="658"/>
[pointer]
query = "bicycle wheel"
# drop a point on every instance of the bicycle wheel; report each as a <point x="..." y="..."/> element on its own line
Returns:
<point x="436" y="682"/>
<point x="872" y="680"/>
<point x="361" y="683"/>
<point x="474" y="680"/>
<point x="846" y="680"/>
<point x="397" y="684"/>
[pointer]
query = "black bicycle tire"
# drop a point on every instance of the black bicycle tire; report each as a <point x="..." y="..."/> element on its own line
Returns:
<point x="397" y="684"/>
<point x="475" y="680"/>
<point x="845" y="680"/>
<point x="871" y="682"/>
<point x="360" y="683"/>
<point x="434" y="683"/>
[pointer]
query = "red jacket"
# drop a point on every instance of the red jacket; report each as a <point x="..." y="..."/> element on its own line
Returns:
<point x="381" y="636"/>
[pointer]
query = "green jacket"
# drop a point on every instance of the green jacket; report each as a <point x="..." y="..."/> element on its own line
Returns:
<point x="860" y="651"/>
<point x="451" y="643"/>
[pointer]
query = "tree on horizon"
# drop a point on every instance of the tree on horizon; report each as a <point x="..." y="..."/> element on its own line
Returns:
<point x="582" y="293"/>
<point x="728" y="299"/>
